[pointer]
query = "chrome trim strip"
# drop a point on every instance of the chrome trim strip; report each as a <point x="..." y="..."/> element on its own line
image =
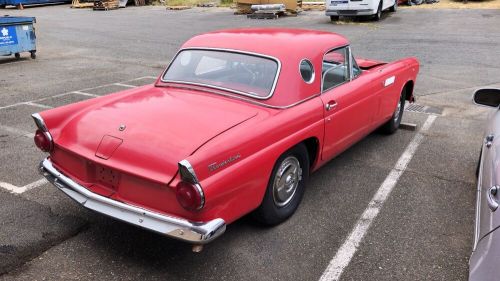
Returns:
<point x="248" y="100"/>
<point x="278" y="71"/>
<point x="39" y="122"/>
<point x="478" y="202"/>
<point x="185" y="163"/>
<point x="178" y="228"/>
<point x="322" y="76"/>
<point x="351" y="74"/>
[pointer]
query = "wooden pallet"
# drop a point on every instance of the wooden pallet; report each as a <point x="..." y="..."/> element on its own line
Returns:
<point x="105" y="5"/>
<point x="77" y="4"/>
<point x="245" y="9"/>
<point x="270" y="15"/>
<point x="313" y="6"/>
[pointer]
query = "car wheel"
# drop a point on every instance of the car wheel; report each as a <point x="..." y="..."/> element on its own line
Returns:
<point x="378" y="15"/>
<point x="394" y="7"/>
<point x="17" y="55"/>
<point x="393" y="124"/>
<point x="334" y="18"/>
<point x="285" y="188"/>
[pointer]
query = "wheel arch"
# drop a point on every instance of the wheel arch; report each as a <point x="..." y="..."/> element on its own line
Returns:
<point x="408" y="88"/>
<point x="312" y="144"/>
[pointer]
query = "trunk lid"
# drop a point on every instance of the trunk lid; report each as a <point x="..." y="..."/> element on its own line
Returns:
<point x="148" y="131"/>
<point x="366" y="64"/>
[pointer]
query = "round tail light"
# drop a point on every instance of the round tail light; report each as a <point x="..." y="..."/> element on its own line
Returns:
<point x="43" y="141"/>
<point x="190" y="196"/>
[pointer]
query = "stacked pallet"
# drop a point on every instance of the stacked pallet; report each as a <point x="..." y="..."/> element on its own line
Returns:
<point x="292" y="7"/>
<point x="106" y="5"/>
<point x="81" y="4"/>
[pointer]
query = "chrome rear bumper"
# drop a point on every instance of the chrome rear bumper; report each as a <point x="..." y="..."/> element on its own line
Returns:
<point x="192" y="232"/>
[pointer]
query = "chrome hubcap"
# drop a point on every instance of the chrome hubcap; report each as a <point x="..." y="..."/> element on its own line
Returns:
<point x="397" y="112"/>
<point x="286" y="181"/>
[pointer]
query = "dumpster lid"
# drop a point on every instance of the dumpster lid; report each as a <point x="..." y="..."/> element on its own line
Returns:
<point x="7" y="20"/>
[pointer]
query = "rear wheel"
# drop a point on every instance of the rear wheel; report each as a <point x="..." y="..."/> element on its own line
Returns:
<point x="393" y="124"/>
<point x="33" y="54"/>
<point x="286" y="186"/>
<point x="334" y="18"/>
<point x="17" y="55"/>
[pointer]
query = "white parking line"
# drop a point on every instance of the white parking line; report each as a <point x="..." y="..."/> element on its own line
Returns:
<point x="38" y="105"/>
<point x="80" y="92"/>
<point x="17" y="131"/>
<point x="85" y="94"/>
<point x="125" y="85"/>
<point x="346" y="252"/>
<point x="21" y="189"/>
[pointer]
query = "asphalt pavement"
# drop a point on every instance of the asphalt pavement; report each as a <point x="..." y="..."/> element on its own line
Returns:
<point x="423" y="231"/>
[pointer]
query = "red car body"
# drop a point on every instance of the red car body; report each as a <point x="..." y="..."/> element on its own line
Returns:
<point x="125" y="149"/>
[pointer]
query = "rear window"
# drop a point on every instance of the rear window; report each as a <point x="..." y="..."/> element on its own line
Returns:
<point x="245" y="74"/>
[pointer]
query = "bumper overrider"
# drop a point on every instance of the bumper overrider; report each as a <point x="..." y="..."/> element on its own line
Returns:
<point x="192" y="232"/>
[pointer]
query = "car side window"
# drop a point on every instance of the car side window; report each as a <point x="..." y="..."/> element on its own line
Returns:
<point x="335" y="69"/>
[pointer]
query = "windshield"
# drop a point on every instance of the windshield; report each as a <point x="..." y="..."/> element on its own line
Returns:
<point x="237" y="72"/>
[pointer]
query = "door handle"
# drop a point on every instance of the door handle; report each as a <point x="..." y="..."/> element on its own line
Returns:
<point x="492" y="203"/>
<point x="489" y="140"/>
<point x="331" y="105"/>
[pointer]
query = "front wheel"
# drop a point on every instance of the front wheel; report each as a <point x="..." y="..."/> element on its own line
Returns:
<point x="378" y="15"/>
<point x="334" y="18"/>
<point x="393" y="124"/>
<point x="285" y="188"/>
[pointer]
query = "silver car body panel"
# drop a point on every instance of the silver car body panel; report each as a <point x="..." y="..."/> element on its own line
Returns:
<point x="485" y="258"/>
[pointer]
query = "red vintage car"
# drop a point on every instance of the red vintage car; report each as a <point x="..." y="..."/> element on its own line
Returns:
<point x="236" y="124"/>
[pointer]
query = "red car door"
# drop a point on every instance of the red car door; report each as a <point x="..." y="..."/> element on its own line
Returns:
<point x="349" y="103"/>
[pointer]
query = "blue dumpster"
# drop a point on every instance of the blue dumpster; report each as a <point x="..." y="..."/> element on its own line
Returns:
<point x="17" y="35"/>
<point x="21" y="3"/>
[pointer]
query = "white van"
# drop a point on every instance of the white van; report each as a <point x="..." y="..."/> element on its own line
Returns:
<point x="350" y="8"/>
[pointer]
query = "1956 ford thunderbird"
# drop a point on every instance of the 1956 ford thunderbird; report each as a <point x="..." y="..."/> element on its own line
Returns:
<point x="236" y="124"/>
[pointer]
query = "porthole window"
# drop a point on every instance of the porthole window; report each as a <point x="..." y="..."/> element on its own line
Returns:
<point x="307" y="71"/>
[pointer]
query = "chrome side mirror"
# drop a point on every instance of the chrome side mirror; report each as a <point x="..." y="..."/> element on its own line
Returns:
<point x="488" y="97"/>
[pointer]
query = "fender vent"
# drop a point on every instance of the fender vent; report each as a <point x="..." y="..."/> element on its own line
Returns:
<point x="414" y="107"/>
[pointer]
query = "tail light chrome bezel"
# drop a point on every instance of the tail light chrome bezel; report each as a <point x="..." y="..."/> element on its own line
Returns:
<point x="188" y="175"/>
<point x="41" y="125"/>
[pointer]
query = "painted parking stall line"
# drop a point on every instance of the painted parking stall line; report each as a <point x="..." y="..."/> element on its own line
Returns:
<point x="346" y="252"/>
<point x="125" y="85"/>
<point x="21" y="189"/>
<point x="17" y="131"/>
<point x="85" y="94"/>
<point x="38" y="105"/>
<point x="79" y="92"/>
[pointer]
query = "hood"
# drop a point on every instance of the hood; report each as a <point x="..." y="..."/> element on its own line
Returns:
<point x="148" y="131"/>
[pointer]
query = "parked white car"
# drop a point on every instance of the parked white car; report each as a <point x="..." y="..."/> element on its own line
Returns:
<point x="350" y="8"/>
